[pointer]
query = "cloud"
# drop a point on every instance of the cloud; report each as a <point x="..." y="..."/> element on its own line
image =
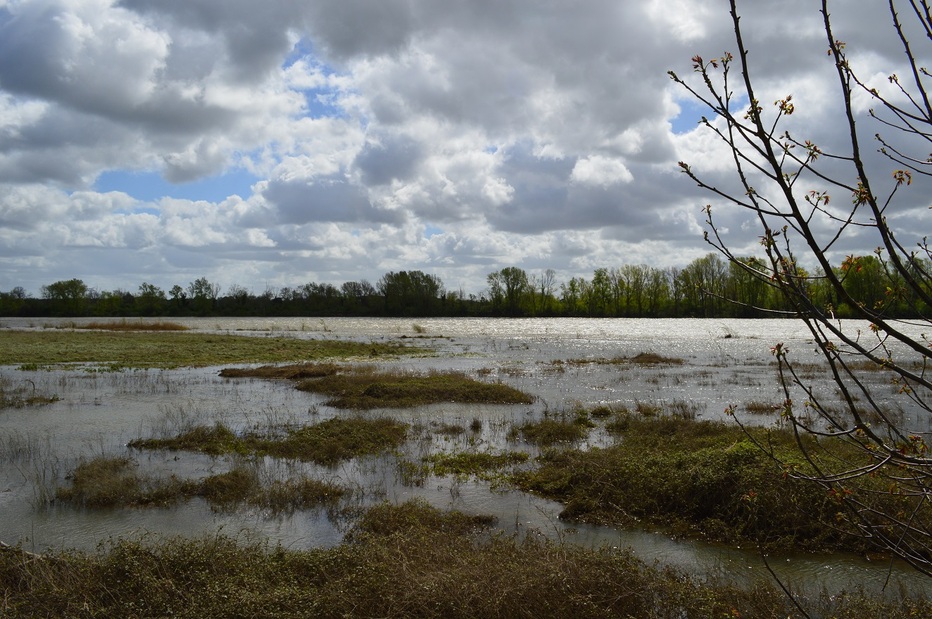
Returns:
<point x="330" y="199"/>
<point x="456" y="137"/>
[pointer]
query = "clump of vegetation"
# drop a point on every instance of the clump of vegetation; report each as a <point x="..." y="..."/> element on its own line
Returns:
<point x="328" y="442"/>
<point x="136" y="325"/>
<point x="467" y="464"/>
<point x="703" y="479"/>
<point x="408" y="560"/>
<point x="104" y="482"/>
<point x="604" y="411"/>
<point x="241" y="486"/>
<point x="20" y="396"/>
<point x="650" y="358"/>
<point x="387" y="519"/>
<point x="295" y="371"/>
<point x="551" y="431"/>
<point x="644" y="358"/>
<point x="759" y="407"/>
<point x="114" y="482"/>
<point x="448" y="429"/>
<point x="214" y="440"/>
<point x="176" y="349"/>
<point x="366" y="388"/>
<point x="648" y="409"/>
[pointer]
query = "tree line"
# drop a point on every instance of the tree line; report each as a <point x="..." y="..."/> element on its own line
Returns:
<point x="707" y="287"/>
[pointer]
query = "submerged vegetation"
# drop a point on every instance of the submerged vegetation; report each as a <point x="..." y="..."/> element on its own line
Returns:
<point x="175" y="349"/>
<point x="408" y="560"/>
<point x="328" y="442"/>
<point x="20" y="396"/>
<point x="643" y="358"/>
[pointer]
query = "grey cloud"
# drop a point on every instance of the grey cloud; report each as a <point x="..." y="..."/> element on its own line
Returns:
<point x="393" y="157"/>
<point x="348" y="28"/>
<point x="254" y="35"/>
<point x="300" y="202"/>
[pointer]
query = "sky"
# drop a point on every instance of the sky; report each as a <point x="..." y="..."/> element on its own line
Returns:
<point x="275" y="143"/>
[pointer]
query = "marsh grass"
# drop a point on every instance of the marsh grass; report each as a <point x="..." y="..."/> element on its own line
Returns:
<point x="328" y="442"/>
<point x="466" y="464"/>
<point x="114" y="482"/>
<point x="448" y="429"/>
<point x="644" y="358"/>
<point x="176" y="349"/>
<point x="366" y="388"/>
<point x="759" y="407"/>
<point x="295" y="371"/>
<point x="700" y="479"/>
<point x="14" y="395"/>
<point x="549" y="431"/>
<point x="109" y="482"/>
<point x="408" y="560"/>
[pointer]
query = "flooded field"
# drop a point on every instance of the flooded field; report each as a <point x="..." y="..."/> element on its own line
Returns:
<point x="564" y="364"/>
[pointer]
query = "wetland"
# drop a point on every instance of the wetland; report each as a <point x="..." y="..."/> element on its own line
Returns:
<point x="561" y="445"/>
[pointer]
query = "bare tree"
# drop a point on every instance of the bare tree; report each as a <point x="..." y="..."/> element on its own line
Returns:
<point x="867" y="448"/>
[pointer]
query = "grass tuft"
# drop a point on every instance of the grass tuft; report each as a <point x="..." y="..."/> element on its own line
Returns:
<point x="108" y="482"/>
<point x="328" y="442"/>
<point x="365" y="388"/>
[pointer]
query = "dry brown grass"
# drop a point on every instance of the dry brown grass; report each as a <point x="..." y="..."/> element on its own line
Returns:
<point x="132" y="325"/>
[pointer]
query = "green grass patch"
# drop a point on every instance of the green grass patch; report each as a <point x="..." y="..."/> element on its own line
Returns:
<point x="328" y="442"/>
<point x="107" y="482"/>
<point x="409" y="560"/>
<point x="175" y="349"/>
<point x="365" y="388"/>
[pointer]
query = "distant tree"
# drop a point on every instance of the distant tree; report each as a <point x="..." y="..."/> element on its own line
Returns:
<point x="600" y="293"/>
<point x="547" y="284"/>
<point x="203" y="294"/>
<point x="13" y="302"/>
<point x="357" y="295"/>
<point x="657" y="291"/>
<point x="68" y="297"/>
<point x="702" y="284"/>
<point x="805" y="202"/>
<point x="507" y="289"/>
<point x="748" y="292"/>
<point x="571" y="294"/>
<point x="150" y="300"/>
<point x="410" y="293"/>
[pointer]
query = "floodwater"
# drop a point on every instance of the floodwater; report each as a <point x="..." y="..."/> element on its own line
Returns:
<point x="726" y="362"/>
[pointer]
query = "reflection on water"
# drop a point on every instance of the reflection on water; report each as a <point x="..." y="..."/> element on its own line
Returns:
<point x="726" y="362"/>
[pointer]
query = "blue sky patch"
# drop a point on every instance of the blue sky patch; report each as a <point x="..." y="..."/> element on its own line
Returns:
<point x="150" y="186"/>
